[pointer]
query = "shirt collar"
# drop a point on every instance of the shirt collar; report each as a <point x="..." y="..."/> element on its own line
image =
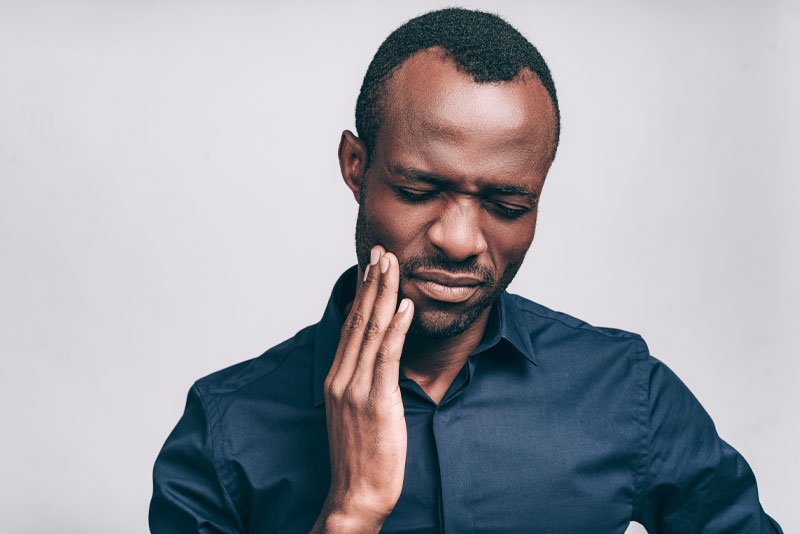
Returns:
<point x="505" y="322"/>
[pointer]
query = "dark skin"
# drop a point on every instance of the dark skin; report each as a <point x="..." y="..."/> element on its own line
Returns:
<point x="448" y="212"/>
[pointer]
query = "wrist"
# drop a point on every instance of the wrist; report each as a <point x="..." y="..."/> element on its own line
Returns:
<point x="350" y="519"/>
<point x="340" y="522"/>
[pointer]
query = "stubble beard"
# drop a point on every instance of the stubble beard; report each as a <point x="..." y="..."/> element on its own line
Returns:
<point x="444" y="321"/>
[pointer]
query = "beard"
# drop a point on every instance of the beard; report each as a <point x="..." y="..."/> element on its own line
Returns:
<point x="442" y="320"/>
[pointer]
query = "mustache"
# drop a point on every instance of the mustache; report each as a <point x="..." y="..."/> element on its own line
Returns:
<point x="442" y="263"/>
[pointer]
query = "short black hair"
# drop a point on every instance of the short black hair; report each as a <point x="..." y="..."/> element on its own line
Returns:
<point x="482" y="44"/>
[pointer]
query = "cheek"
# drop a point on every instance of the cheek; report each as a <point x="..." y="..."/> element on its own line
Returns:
<point x="394" y="224"/>
<point x="508" y="243"/>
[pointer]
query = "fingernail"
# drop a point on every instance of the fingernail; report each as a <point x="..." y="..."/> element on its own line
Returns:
<point x="384" y="264"/>
<point x="403" y="306"/>
<point x="366" y="272"/>
<point x="375" y="255"/>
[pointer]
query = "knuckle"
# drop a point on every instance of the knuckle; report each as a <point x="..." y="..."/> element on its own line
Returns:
<point x="383" y="355"/>
<point x="353" y="322"/>
<point x="383" y="287"/>
<point x="372" y="330"/>
<point x="353" y="396"/>
<point x="334" y="391"/>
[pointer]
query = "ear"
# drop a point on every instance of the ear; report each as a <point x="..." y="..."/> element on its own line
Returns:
<point x="352" y="161"/>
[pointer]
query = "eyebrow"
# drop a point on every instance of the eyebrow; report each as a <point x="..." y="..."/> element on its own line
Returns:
<point x="415" y="175"/>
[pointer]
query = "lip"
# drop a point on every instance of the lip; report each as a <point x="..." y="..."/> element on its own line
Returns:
<point x="447" y="279"/>
<point x="446" y="287"/>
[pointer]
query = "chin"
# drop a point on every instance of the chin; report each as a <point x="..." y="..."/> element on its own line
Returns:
<point x="443" y="324"/>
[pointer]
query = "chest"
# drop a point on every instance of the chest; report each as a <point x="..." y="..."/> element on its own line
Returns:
<point x="501" y="464"/>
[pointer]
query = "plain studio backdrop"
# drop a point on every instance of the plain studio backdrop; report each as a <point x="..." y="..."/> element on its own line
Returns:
<point x="170" y="204"/>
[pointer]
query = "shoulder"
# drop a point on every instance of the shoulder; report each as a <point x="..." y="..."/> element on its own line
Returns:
<point x="291" y="353"/>
<point x="552" y="330"/>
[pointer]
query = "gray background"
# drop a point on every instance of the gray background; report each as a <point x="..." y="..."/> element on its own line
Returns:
<point x="170" y="204"/>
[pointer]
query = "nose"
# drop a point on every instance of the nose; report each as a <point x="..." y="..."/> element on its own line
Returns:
<point x="457" y="232"/>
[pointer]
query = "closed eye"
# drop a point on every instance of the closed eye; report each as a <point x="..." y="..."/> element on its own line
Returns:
<point x="509" y="212"/>
<point x="414" y="195"/>
<point x="504" y="210"/>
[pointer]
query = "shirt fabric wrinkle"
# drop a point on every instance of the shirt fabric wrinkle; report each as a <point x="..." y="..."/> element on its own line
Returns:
<point x="552" y="425"/>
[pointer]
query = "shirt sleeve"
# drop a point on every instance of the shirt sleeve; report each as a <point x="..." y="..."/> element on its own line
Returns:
<point x="188" y="494"/>
<point x="693" y="480"/>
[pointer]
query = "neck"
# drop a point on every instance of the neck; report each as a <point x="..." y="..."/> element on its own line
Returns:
<point x="433" y="363"/>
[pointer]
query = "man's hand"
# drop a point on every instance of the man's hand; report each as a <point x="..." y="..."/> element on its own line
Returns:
<point x="363" y="406"/>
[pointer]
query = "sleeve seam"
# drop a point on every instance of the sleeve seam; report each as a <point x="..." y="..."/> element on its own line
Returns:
<point x="218" y="467"/>
<point x="644" y="424"/>
<point x="584" y="326"/>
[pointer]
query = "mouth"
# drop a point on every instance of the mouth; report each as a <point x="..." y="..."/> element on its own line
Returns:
<point x="445" y="287"/>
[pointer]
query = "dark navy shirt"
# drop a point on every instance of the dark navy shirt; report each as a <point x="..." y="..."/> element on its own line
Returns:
<point x="552" y="426"/>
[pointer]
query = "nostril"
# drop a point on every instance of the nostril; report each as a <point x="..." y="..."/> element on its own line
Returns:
<point x="457" y="232"/>
<point x="458" y="244"/>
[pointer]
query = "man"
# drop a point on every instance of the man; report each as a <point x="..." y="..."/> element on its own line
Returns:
<point x="428" y="399"/>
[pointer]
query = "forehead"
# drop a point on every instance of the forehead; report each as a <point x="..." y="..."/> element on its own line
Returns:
<point x="434" y="112"/>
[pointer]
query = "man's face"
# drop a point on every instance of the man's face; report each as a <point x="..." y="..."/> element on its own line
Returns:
<point x="453" y="186"/>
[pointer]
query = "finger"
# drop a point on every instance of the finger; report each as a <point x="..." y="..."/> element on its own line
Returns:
<point x="382" y="314"/>
<point x="353" y="328"/>
<point x="375" y="255"/>
<point x="387" y="358"/>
